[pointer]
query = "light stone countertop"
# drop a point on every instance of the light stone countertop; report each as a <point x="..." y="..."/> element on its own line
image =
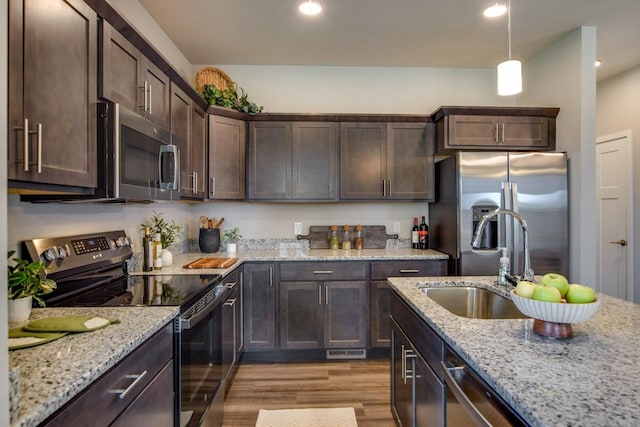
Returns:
<point x="592" y="379"/>
<point x="52" y="374"/>
<point x="294" y="254"/>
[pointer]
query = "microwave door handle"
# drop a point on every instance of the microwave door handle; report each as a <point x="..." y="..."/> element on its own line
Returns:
<point x="116" y="150"/>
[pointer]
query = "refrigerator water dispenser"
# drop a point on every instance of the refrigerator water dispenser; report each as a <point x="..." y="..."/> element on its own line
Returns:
<point x="489" y="239"/>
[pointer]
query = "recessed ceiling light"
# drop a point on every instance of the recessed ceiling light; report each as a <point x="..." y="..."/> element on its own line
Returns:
<point x="598" y="63"/>
<point x="495" y="10"/>
<point x="310" y="7"/>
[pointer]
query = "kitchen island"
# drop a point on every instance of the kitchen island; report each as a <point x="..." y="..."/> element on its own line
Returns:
<point x="52" y="374"/>
<point x="592" y="379"/>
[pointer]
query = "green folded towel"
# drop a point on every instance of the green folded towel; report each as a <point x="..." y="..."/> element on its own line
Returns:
<point x="19" y="338"/>
<point x="69" y="324"/>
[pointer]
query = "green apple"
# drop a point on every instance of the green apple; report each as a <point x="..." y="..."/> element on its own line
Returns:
<point x="580" y="294"/>
<point x="546" y="293"/>
<point x="524" y="289"/>
<point x="557" y="281"/>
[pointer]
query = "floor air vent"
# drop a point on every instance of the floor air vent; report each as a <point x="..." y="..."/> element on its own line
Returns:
<point x="357" y="353"/>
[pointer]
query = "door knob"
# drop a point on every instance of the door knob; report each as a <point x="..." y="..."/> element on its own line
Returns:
<point x="620" y="242"/>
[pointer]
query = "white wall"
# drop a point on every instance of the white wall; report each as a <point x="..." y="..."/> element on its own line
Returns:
<point x="4" y="352"/>
<point x="619" y="110"/>
<point x="563" y="75"/>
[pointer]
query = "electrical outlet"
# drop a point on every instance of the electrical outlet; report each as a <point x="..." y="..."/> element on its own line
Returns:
<point x="396" y="227"/>
<point x="297" y="228"/>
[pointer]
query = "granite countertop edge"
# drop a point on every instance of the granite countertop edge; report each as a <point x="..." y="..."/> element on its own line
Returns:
<point x="548" y="382"/>
<point x="52" y="374"/>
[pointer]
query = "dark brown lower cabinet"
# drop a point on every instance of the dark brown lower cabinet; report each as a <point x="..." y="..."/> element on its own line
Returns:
<point x="316" y="315"/>
<point x="259" y="302"/>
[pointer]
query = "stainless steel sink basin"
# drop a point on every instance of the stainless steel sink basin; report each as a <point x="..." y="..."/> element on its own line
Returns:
<point x="474" y="303"/>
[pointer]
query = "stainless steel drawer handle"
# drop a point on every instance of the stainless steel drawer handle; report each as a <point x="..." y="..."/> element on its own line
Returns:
<point x="230" y="302"/>
<point x="123" y="392"/>
<point x="448" y="369"/>
<point x="409" y="271"/>
<point x="230" y="285"/>
<point x="322" y="271"/>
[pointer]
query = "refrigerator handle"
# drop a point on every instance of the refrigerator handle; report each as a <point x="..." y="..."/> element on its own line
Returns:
<point x="506" y="195"/>
<point x="514" y="197"/>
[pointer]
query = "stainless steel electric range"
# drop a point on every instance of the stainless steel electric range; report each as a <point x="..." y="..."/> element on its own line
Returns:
<point x="90" y="270"/>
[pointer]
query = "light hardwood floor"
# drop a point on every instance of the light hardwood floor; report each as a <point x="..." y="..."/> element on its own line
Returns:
<point x="363" y="385"/>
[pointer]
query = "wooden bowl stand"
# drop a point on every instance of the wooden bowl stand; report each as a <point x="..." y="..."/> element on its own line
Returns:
<point x="552" y="329"/>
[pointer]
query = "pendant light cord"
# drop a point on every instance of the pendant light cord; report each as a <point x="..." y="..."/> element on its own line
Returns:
<point x="509" y="27"/>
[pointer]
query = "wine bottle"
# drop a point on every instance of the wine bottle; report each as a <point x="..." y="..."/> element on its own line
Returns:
<point x="157" y="252"/>
<point x="423" y="234"/>
<point x="415" y="240"/>
<point x="147" y="250"/>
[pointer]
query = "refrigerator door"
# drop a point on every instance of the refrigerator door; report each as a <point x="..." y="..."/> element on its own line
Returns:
<point x="539" y="184"/>
<point x="481" y="176"/>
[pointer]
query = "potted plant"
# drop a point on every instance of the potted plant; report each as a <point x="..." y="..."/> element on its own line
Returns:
<point x="169" y="232"/>
<point x="26" y="281"/>
<point x="231" y="237"/>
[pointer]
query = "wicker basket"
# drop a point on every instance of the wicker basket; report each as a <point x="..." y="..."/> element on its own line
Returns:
<point x="212" y="76"/>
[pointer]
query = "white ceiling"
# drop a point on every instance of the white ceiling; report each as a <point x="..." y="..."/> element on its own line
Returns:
<point x="394" y="33"/>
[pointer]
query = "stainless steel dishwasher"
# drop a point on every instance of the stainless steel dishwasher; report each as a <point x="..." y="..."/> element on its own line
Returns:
<point x="470" y="401"/>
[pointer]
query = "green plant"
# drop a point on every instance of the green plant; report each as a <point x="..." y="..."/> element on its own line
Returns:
<point x="231" y="235"/>
<point x="28" y="279"/>
<point x="229" y="98"/>
<point x="169" y="232"/>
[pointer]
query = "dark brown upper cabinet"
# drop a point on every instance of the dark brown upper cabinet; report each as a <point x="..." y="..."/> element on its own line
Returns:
<point x="227" y="158"/>
<point x="52" y="95"/>
<point x="187" y="133"/>
<point x="292" y="161"/>
<point x="386" y="161"/>
<point x="495" y="128"/>
<point x="128" y="77"/>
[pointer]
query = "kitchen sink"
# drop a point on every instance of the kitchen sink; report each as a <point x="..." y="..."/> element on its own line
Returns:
<point x="474" y="303"/>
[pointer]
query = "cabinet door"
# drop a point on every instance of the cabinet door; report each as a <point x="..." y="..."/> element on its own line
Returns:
<point x="157" y="86"/>
<point x="269" y="174"/>
<point x="529" y="132"/>
<point x="380" y="302"/>
<point x="259" y="307"/>
<point x="430" y="396"/>
<point x="410" y="161"/>
<point x="181" y="137"/>
<point x="53" y="90"/>
<point x="363" y="161"/>
<point x="315" y="160"/>
<point x="227" y="143"/>
<point x="401" y="386"/>
<point x="199" y="150"/>
<point x="346" y="314"/>
<point x="301" y="315"/>
<point x="473" y="131"/>
<point x="120" y="68"/>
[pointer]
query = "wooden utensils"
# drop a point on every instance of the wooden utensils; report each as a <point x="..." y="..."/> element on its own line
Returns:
<point x="210" y="223"/>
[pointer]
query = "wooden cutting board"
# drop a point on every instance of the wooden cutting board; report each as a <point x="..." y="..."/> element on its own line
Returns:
<point x="211" y="263"/>
<point x="375" y="236"/>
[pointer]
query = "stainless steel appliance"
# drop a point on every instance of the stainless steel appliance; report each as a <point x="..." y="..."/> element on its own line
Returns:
<point x="470" y="401"/>
<point x="470" y="184"/>
<point x="90" y="271"/>
<point x="137" y="161"/>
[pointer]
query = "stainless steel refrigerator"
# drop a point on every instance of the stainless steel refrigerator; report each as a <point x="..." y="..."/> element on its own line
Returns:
<point x="469" y="184"/>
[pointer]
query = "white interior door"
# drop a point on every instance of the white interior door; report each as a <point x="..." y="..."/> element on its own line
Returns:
<point x="614" y="215"/>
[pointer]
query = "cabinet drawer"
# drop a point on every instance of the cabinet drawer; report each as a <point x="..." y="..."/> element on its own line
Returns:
<point x="323" y="271"/>
<point x="97" y="402"/>
<point x="383" y="270"/>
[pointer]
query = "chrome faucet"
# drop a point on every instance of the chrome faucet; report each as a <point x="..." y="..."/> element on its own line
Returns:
<point x="527" y="273"/>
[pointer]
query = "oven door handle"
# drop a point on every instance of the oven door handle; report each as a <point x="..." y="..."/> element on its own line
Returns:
<point x="190" y="322"/>
<point x="448" y="369"/>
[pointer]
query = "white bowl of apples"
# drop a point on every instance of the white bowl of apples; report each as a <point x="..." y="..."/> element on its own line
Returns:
<point x="553" y="299"/>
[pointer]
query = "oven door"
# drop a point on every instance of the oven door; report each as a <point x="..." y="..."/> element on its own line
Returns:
<point x="201" y="362"/>
<point x="147" y="164"/>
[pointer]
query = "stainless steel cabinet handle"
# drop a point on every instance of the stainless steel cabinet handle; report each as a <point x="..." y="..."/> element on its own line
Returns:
<point x="26" y="145"/>
<point x="403" y="364"/>
<point x="389" y="185"/>
<point x="39" y="147"/>
<point x="150" y="103"/>
<point x="469" y="407"/>
<point x="503" y="132"/>
<point x="230" y="285"/>
<point x="322" y="271"/>
<point x="384" y="188"/>
<point x="409" y="271"/>
<point x="326" y="294"/>
<point x="620" y="242"/>
<point x="497" y="137"/>
<point x="146" y="86"/>
<point x="408" y="374"/>
<point x="212" y="187"/>
<point x="194" y="177"/>
<point x="271" y="277"/>
<point x="123" y="392"/>
<point x="230" y="302"/>
<point x="320" y="294"/>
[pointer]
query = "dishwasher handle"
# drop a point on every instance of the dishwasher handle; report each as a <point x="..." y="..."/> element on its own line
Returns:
<point x="449" y="369"/>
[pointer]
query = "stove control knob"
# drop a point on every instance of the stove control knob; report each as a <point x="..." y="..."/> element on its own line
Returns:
<point x="62" y="253"/>
<point x="51" y="253"/>
<point x="119" y="242"/>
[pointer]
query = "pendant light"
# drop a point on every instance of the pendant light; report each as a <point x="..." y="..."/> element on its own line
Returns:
<point x="310" y="7"/>
<point x="509" y="72"/>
